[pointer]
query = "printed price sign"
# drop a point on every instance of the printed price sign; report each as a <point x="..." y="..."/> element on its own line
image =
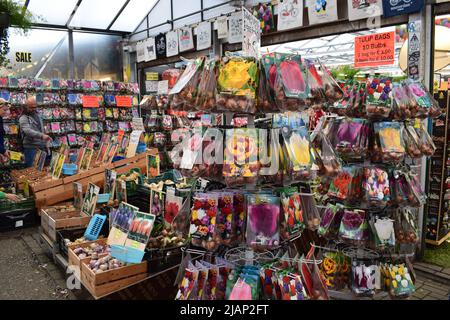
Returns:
<point x="90" y="101"/>
<point x="375" y="50"/>
<point x="124" y="101"/>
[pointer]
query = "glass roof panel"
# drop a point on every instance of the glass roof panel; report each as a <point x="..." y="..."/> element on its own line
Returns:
<point x="96" y="14"/>
<point x="133" y="14"/>
<point x="52" y="12"/>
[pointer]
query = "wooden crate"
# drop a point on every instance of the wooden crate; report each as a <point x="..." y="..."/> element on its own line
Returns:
<point x="73" y="259"/>
<point x="107" y="282"/>
<point x="53" y="220"/>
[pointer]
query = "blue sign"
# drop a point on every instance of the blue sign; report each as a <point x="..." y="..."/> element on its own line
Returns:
<point x="397" y="7"/>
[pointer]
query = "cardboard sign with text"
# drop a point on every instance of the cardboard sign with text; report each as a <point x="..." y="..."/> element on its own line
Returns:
<point x="377" y="49"/>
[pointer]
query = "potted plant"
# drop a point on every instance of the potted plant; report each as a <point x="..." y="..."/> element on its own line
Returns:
<point x="11" y="14"/>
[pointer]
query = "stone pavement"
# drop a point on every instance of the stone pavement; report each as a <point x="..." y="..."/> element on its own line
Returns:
<point x="27" y="272"/>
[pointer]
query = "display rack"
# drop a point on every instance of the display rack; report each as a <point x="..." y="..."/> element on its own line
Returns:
<point x="438" y="222"/>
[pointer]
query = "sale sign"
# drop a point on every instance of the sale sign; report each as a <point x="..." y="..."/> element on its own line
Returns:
<point x="377" y="49"/>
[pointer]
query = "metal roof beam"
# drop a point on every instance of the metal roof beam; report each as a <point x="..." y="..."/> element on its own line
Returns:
<point x="118" y="14"/>
<point x="73" y="12"/>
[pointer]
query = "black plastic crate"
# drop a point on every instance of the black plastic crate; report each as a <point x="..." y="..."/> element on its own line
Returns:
<point x="17" y="219"/>
<point x="162" y="259"/>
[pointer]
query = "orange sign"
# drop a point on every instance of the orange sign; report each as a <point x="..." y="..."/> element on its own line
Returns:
<point x="377" y="49"/>
<point x="90" y="101"/>
<point x="124" y="101"/>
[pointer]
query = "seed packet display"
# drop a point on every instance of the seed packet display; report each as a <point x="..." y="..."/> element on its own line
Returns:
<point x="90" y="199"/>
<point x="122" y="218"/>
<point x="263" y="220"/>
<point x="140" y="230"/>
<point x="203" y="221"/>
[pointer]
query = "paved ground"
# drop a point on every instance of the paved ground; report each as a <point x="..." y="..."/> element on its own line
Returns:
<point x="27" y="273"/>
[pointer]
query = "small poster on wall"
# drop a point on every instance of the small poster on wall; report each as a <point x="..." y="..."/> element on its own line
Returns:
<point x="150" y="49"/>
<point x="235" y="28"/>
<point x="222" y="27"/>
<point x="363" y="9"/>
<point x="204" y="35"/>
<point x="322" y="11"/>
<point x="172" y="43"/>
<point x="185" y="40"/>
<point x="140" y="51"/>
<point x="290" y="14"/>
<point x="251" y="34"/>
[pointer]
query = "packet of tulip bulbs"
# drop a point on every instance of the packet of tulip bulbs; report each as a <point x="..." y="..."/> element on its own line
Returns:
<point x="188" y="283"/>
<point x="401" y="285"/>
<point x="426" y="144"/>
<point x="325" y="157"/>
<point x="335" y="269"/>
<point x="263" y="221"/>
<point x="341" y="107"/>
<point x="330" y="221"/>
<point x="203" y="221"/>
<point x="315" y="83"/>
<point x="354" y="227"/>
<point x="199" y="287"/>
<point x="239" y="217"/>
<point x="413" y="180"/>
<point x="347" y="185"/>
<point x="310" y="211"/>
<point x="291" y="87"/>
<point x="264" y="100"/>
<point x="183" y="95"/>
<point x="350" y="137"/>
<point x="299" y="154"/>
<point x="376" y="187"/>
<point x="421" y="101"/>
<point x="209" y="292"/>
<point x="379" y="98"/>
<point x="402" y="102"/>
<point x="382" y="231"/>
<point x="390" y="143"/>
<point x="364" y="278"/>
<point x="241" y="156"/>
<point x="140" y="230"/>
<point x="333" y="91"/>
<point x="406" y="230"/>
<point x="292" y="211"/>
<point x="411" y="142"/>
<point x="271" y="171"/>
<point x="206" y="97"/>
<point x="224" y="217"/>
<point x="236" y="84"/>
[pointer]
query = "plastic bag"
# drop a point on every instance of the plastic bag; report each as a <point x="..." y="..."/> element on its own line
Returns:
<point x="236" y="84"/>
<point x="402" y="102"/>
<point x="406" y="229"/>
<point x="347" y="185"/>
<point x="292" y="211"/>
<point x="364" y="278"/>
<point x="171" y="75"/>
<point x="224" y="217"/>
<point x="239" y="217"/>
<point x="333" y="92"/>
<point x="341" y="107"/>
<point x="203" y="221"/>
<point x="399" y="281"/>
<point x="420" y="101"/>
<point x="183" y="95"/>
<point x="426" y="144"/>
<point x="206" y="98"/>
<point x="263" y="221"/>
<point x="325" y="157"/>
<point x="315" y="83"/>
<point x="330" y="221"/>
<point x="383" y="232"/>
<point x="412" y="142"/>
<point x="379" y="98"/>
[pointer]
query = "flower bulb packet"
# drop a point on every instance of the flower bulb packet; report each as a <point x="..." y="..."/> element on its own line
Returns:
<point x="354" y="227"/>
<point x="333" y="91"/>
<point x="263" y="221"/>
<point x="379" y="98"/>
<point x="376" y="187"/>
<point x="236" y="84"/>
<point x="389" y="136"/>
<point x="298" y="149"/>
<point x="350" y="137"/>
<point x="203" y="221"/>
<point x="292" y="212"/>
